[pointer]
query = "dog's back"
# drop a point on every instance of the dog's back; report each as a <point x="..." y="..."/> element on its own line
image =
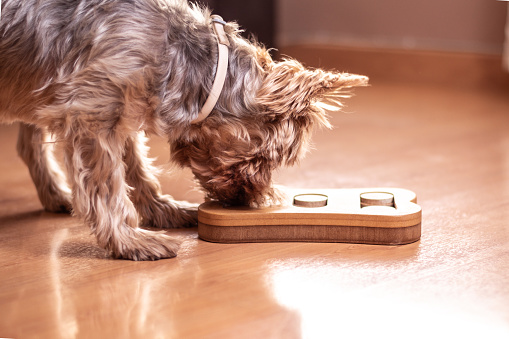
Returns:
<point x="45" y="44"/>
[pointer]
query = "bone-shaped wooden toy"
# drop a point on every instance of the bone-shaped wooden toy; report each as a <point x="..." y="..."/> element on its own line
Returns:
<point x="381" y="216"/>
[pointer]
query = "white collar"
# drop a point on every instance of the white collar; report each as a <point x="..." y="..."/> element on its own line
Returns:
<point x="222" y="67"/>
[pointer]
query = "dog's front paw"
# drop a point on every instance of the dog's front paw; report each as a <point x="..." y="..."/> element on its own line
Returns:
<point x="164" y="212"/>
<point x="145" y="245"/>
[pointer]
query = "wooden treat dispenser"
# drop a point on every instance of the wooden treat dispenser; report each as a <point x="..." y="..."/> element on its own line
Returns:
<point x="380" y="216"/>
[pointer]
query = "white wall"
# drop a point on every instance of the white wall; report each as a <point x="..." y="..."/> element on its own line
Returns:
<point x="447" y="25"/>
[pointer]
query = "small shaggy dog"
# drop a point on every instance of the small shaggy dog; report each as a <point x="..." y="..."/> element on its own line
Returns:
<point x="96" y="75"/>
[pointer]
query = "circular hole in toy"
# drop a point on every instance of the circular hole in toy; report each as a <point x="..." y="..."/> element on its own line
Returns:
<point x="377" y="199"/>
<point x="310" y="200"/>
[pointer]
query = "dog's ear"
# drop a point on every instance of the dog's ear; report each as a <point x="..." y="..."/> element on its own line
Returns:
<point x="289" y="89"/>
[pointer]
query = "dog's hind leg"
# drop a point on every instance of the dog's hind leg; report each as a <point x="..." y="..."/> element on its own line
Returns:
<point x="50" y="181"/>
<point x="101" y="195"/>
<point x="156" y="209"/>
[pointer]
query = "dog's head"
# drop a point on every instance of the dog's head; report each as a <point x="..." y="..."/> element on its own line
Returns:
<point x="263" y="120"/>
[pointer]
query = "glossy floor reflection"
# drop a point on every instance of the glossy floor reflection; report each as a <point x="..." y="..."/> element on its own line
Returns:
<point x="450" y="146"/>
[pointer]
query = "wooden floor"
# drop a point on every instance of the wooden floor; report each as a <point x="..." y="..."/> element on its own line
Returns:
<point x="449" y="144"/>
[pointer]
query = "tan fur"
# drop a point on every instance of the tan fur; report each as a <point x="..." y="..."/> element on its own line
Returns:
<point x="97" y="75"/>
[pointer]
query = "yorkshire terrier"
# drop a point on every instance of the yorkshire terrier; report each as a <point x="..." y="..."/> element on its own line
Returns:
<point x="97" y="75"/>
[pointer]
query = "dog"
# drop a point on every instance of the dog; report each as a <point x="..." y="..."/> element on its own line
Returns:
<point x="97" y="76"/>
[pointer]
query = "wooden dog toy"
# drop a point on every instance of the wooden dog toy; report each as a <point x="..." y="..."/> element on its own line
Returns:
<point x="380" y="216"/>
